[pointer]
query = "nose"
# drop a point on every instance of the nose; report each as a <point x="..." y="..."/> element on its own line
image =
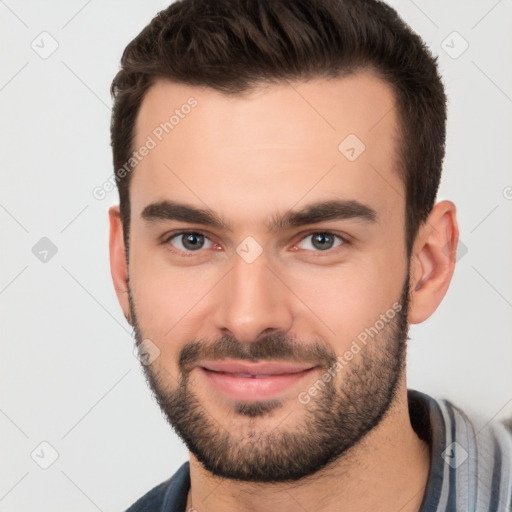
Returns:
<point x="252" y="301"/>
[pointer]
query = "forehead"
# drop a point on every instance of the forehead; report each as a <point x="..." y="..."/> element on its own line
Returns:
<point x="270" y="147"/>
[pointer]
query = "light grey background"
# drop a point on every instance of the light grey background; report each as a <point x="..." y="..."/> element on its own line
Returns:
<point x="68" y="374"/>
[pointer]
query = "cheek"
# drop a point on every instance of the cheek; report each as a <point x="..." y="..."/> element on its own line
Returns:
<point x="164" y="301"/>
<point x="344" y="301"/>
<point x="166" y="296"/>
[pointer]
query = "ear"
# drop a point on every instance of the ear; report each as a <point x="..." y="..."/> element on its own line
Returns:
<point x="433" y="261"/>
<point x="118" y="266"/>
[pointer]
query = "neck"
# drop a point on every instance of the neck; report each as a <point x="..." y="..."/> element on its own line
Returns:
<point x="386" y="471"/>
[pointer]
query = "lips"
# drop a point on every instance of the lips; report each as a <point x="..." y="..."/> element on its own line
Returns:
<point x="253" y="370"/>
<point x="239" y="380"/>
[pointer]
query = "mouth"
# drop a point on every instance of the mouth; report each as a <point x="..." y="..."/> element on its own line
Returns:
<point x="257" y="370"/>
<point x="252" y="381"/>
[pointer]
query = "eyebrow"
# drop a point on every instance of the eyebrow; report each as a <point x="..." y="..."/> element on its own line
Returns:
<point x="311" y="214"/>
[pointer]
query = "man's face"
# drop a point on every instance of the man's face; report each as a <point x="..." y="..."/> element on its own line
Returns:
<point x="306" y="293"/>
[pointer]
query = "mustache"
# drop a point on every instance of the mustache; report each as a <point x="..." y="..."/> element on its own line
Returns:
<point x="272" y="347"/>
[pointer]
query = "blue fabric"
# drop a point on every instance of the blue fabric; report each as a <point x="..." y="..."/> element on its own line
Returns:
<point x="169" y="496"/>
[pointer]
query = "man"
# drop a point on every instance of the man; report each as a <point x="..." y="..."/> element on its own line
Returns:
<point x="277" y="164"/>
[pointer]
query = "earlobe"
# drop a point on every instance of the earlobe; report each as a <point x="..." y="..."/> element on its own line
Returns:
<point x="433" y="261"/>
<point x="118" y="266"/>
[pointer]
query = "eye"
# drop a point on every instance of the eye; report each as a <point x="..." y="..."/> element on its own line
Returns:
<point x="189" y="241"/>
<point x="322" y="241"/>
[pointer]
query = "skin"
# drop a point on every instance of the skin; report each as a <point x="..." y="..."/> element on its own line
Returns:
<point x="249" y="158"/>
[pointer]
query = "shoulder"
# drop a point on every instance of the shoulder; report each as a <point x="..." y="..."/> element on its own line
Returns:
<point x="471" y="456"/>
<point x="483" y="457"/>
<point x="152" y="500"/>
<point x="167" y="496"/>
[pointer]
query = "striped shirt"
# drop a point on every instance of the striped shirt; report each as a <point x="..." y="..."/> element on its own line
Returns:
<point x="471" y="458"/>
<point x="470" y="463"/>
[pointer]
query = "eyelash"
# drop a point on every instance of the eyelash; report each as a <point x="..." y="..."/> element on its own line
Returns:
<point x="344" y="239"/>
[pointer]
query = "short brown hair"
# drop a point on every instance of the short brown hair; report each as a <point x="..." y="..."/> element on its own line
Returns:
<point x="234" y="45"/>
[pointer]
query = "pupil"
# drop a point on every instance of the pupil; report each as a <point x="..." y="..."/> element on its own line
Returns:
<point x="322" y="239"/>
<point x="190" y="241"/>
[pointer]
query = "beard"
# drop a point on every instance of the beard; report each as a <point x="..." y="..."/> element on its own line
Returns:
<point x="333" y="421"/>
